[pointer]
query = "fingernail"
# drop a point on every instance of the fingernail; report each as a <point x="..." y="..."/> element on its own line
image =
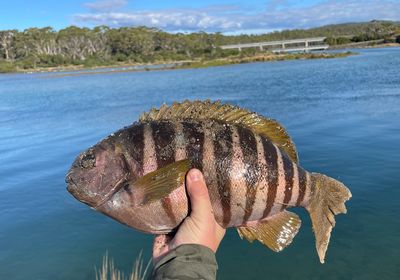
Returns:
<point x="195" y="175"/>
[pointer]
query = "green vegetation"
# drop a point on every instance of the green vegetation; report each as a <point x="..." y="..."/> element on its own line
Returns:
<point x="38" y="48"/>
<point x="335" y="33"/>
<point x="234" y="59"/>
<point x="260" y="57"/>
<point x="6" y="67"/>
<point x="108" y="271"/>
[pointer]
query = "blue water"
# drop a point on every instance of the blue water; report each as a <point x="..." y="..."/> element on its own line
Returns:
<point x="343" y="114"/>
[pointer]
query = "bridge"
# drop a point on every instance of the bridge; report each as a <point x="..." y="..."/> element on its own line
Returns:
<point x="296" y="45"/>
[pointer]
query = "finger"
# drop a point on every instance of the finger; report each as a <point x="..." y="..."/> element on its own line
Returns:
<point x="158" y="243"/>
<point x="199" y="197"/>
<point x="160" y="246"/>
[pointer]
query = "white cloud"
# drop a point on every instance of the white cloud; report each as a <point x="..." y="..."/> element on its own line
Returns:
<point x="105" y="5"/>
<point x="170" y="21"/>
<point x="278" y="15"/>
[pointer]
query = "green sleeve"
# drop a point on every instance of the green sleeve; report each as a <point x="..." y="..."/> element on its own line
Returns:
<point x="188" y="261"/>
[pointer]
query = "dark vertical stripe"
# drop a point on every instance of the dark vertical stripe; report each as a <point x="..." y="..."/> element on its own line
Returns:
<point x="134" y="142"/>
<point x="271" y="158"/>
<point x="194" y="136"/>
<point x="164" y="135"/>
<point x="302" y="185"/>
<point x="248" y="146"/>
<point x="223" y="159"/>
<point x="288" y="169"/>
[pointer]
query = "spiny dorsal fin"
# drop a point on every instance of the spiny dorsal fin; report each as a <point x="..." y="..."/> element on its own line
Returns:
<point x="203" y="110"/>
<point x="276" y="232"/>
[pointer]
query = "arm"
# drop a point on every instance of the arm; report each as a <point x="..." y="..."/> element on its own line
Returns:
<point x="187" y="261"/>
<point x="190" y="254"/>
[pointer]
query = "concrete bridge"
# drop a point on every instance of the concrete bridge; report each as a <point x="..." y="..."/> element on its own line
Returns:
<point x="296" y="45"/>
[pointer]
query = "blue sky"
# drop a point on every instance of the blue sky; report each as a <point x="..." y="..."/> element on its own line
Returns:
<point x="228" y="16"/>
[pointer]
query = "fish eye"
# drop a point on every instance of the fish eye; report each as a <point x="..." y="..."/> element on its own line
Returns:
<point x="88" y="160"/>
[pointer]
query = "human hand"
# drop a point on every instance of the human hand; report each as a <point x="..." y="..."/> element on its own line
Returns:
<point x="199" y="227"/>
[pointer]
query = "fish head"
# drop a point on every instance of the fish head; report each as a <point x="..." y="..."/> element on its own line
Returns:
<point x="97" y="173"/>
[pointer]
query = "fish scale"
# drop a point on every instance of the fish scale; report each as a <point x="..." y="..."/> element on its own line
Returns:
<point x="249" y="162"/>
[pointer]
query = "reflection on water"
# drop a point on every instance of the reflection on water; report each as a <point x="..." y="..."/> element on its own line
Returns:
<point x="343" y="115"/>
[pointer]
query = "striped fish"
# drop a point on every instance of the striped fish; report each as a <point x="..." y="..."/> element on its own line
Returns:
<point x="250" y="165"/>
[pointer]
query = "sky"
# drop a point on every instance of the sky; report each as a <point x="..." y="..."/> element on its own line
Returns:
<point x="226" y="16"/>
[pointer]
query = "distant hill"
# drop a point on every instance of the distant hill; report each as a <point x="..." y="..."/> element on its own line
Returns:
<point x="375" y="27"/>
<point x="102" y="45"/>
<point x="359" y="31"/>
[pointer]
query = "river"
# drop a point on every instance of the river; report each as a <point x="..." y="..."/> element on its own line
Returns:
<point x="343" y="114"/>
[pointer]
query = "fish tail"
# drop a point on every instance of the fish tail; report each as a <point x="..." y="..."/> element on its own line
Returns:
<point x="327" y="200"/>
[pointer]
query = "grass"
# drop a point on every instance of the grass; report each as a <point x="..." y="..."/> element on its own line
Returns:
<point x="7" y="67"/>
<point x="108" y="271"/>
<point x="234" y="59"/>
<point x="260" y="58"/>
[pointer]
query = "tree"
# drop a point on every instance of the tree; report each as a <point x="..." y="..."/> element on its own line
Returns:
<point x="6" y="41"/>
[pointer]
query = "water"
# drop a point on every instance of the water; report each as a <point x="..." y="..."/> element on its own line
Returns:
<point x="343" y="114"/>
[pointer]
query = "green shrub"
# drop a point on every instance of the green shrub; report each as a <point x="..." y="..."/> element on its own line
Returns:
<point x="27" y="63"/>
<point x="7" y="67"/>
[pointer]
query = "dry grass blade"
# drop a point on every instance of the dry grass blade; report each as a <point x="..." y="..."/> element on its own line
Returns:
<point x="109" y="272"/>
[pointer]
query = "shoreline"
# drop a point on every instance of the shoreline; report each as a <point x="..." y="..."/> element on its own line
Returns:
<point x="187" y="64"/>
<point x="193" y="64"/>
<point x="76" y="68"/>
<point x="364" y="45"/>
<point x="177" y="65"/>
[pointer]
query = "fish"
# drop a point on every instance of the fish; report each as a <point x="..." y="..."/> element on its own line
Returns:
<point x="250" y="165"/>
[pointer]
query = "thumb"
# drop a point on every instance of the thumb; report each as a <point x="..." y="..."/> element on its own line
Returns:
<point x="199" y="197"/>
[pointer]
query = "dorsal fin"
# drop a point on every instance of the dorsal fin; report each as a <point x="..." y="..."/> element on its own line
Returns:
<point x="205" y="110"/>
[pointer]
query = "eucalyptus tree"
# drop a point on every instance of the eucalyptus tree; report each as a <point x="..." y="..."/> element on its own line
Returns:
<point x="6" y="44"/>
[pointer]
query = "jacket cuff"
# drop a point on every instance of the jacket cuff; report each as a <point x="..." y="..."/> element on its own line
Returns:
<point x="187" y="261"/>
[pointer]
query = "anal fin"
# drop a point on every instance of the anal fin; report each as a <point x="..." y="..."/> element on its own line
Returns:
<point x="275" y="232"/>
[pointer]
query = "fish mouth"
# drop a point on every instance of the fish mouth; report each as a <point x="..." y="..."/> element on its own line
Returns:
<point x="71" y="185"/>
<point x="73" y="189"/>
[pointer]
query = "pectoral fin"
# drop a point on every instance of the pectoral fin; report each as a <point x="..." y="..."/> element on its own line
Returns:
<point x="276" y="232"/>
<point x="158" y="184"/>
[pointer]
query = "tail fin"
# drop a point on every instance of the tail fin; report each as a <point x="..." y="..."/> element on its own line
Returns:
<point x="327" y="200"/>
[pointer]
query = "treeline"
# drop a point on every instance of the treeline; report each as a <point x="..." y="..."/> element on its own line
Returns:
<point x="46" y="47"/>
